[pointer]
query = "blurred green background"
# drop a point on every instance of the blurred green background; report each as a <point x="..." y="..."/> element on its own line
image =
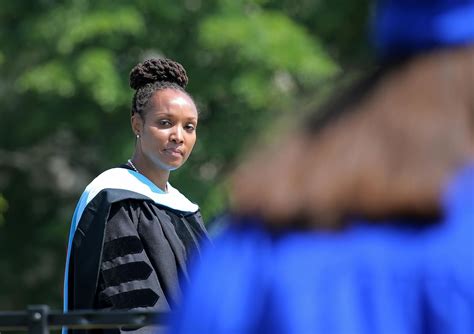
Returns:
<point x="65" y="102"/>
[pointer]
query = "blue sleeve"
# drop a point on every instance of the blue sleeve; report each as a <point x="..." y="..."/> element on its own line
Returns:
<point x="228" y="286"/>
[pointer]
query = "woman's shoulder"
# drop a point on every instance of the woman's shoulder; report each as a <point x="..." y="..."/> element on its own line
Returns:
<point x="121" y="183"/>
<point x="114" y="178"/>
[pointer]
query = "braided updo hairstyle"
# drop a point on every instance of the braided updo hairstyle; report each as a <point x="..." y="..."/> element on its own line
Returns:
<point x="152" y="75"/>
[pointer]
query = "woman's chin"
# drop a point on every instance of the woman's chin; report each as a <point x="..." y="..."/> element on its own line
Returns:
<point x="173" y="166"/>
<point x="169" y="164"/>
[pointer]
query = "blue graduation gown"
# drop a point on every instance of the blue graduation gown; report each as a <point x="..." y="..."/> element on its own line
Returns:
<point x="370" y="278"/>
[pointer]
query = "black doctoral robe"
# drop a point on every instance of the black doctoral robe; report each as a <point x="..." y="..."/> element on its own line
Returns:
<point x="129" y="245"/>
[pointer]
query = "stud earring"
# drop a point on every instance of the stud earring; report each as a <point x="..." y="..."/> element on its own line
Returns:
<point x="138" y="136"/>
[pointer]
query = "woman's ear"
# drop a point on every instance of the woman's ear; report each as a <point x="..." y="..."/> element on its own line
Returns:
<point x="137" y="124"/>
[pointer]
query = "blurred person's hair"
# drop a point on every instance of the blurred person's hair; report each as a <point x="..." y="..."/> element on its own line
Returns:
<point x="385" y="147"/>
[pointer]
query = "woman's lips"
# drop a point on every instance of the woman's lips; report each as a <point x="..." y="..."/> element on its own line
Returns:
<point x="175" y="152"/>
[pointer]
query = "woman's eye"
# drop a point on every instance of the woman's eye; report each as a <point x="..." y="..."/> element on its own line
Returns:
<point x="164" y="122"/>
<point x="190" y="127"/>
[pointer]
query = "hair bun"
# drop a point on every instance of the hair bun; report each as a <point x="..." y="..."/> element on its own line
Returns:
<point x="158" y="70"/>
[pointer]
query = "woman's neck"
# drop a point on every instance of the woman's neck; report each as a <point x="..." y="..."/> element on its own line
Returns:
<point x="147" y="168"/>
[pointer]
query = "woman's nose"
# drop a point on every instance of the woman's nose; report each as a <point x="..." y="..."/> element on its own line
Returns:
<point x="177" y="135"/>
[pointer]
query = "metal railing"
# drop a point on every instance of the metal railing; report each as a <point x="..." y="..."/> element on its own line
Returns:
<point x="39" y="319"/>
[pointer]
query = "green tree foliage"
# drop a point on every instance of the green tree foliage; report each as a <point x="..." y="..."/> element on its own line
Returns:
<point x="65" y="101"/>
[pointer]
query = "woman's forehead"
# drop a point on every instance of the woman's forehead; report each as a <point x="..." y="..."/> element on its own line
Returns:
<point x="172" y="101"/>
<point x="170" y="96"/>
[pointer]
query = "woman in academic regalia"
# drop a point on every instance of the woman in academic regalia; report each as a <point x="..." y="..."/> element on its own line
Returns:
<point x="132" y="233"/>
<point x="362" y="220"/>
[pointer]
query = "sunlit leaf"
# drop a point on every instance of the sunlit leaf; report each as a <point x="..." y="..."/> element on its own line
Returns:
<point x="50" y="78"/>
<point x="96" y="70"/>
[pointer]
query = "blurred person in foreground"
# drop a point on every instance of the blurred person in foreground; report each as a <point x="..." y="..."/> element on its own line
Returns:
<point x="132" y="233"/>
<point x="363" y="222"/>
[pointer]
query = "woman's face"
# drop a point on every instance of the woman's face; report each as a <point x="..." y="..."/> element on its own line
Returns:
<point x="168" y="129"/>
